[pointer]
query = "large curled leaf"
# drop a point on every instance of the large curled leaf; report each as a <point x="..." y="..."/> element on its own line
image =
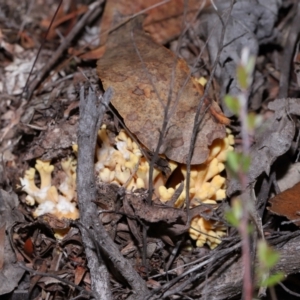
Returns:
<point x="163" y="21"/>
<point x="141" y="86"/>
<point x="272" y="139"/>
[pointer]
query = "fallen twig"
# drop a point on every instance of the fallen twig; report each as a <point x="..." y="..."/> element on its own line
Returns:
<point x="91" y="114"/>
<point x="37" y="273"/>
<point x="285" y="65"/>
<point x="94" y="9"/>
<point x="229" y="284"/>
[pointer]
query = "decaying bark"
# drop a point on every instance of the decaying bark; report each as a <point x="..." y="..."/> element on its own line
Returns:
<point x="90" y="115"/>
<point x="229" y="284"/>
<point x="94" y="235"/>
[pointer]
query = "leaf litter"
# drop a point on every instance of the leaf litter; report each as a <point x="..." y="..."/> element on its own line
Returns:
<point x="147" y="88"/>
<point x="46" y="127"/>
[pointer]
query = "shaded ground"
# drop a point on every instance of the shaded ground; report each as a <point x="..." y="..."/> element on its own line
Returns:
<point x="41" y="122"/>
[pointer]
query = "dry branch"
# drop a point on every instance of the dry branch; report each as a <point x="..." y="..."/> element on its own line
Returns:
<point x="289" y="47"/>
<point x="94" y="10"/>
<point x="229" y="284"/>
<point x="90" y="115"/>
<point x="93" y="233"/>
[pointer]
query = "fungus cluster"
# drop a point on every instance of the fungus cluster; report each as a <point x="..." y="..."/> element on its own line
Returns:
<point x="121" y="162"/>
<point x="206" y="183"/>
<point x="207" y="186"/>
<point x="57" y="201"/>
<point x="124" y="164"/>
<point x="206" y="232"/>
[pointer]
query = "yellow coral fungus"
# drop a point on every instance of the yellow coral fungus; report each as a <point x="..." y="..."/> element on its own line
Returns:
<point x="36" y="194"/>
<point x="165" y="194"/>
<point x="206" y="231"/>
<point x="120" y="161"/>
<point x="123" y="163"/>
<point x="206" y="186"/>
<point x="68" y="186"/>
<point x="47" y="197"/>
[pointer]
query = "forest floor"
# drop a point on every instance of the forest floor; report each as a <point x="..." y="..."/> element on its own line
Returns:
<point x="99" y="96"/>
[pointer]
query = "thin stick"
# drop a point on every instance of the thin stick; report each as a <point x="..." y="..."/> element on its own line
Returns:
<point x="285" y="64"/>
<point x="91" y="114"/>
<point x="40" y="48"/>
<point x="198" y="118"/>
<point x="94" y="9"/>
<point x="36" y="273"/>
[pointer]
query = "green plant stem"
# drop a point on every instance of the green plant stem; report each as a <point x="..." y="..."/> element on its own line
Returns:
<point x="243" y="227"/>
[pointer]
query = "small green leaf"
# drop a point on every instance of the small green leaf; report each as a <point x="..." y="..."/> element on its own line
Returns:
<point x="232" y="103"/>
<point x="273" y="279"/>
<point x="231" y="219"/>
<point x="245" y="163"/>
<point x="235" y="213"/>
<point x="237" y="162"/>
<point x="267" y="256"/>
<point x="232" y="162"/>
<point x="253" y="121"/>
<point x="250" y="228"/>
<point x="250" y="65"/>
<point x="272" y="258"/>
<point x="242" y="77"/>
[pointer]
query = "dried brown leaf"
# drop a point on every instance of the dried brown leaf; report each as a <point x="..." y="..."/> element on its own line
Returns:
<point x="28" y="247"/>
<point x="2" y="243"/>
<point x="35" y="279"/>
<point x="287" y="204"/>
<point x="10" y="272"/>
<point x="163" y="22"/>
<point x="162" y="213"/>
<point x="291" y="175"/>
<point x="79" y="274"/>
<point x="141" y="91"/>
<point x="153" y="284"/>
<point x="67" y="18"/>
<point x="131" y="222"/>
<point x="272" y="140"/>
<point x="51" y="144"/>
<point x="129" y="249"/>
